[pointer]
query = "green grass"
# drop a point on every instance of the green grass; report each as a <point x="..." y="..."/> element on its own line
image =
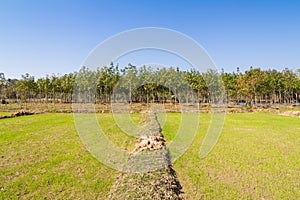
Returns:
<point x="42" y="157"/>
<point x="257" y="157"/>
<point x="5" y="113"/>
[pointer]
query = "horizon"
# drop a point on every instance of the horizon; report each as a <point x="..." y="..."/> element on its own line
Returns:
<point x="220" y="70"/>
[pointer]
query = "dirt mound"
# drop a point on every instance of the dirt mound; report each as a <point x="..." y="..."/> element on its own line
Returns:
<point x="158" y="184"/>
<point x="149" y="143"/>
<point x="151" y="137"/>
<point x="18" y="114"/>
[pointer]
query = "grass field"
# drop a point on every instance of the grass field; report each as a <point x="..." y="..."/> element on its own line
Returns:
<point x="5" y="113"/>
<point x="257" y="157"/>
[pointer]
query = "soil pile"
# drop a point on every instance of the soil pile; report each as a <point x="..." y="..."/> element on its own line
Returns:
<point x="158" y="184"/>
<point x="18" y="114"/>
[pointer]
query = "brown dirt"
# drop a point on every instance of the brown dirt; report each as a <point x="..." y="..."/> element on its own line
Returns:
<point x="19" y="114"/>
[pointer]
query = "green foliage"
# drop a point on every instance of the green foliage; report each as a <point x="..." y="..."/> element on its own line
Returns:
<point x="146" y="84"/>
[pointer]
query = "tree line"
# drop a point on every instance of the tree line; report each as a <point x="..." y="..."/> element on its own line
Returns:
<point x="146" y="84"/>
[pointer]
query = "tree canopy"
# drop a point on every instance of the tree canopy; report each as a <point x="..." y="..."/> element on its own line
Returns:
<point x="145" y="84"/>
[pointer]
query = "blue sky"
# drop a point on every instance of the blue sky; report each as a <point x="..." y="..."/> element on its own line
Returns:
<point x="50" y="36"/>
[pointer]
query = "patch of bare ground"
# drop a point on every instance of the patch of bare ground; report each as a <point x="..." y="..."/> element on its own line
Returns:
<point x="291" y="113"/>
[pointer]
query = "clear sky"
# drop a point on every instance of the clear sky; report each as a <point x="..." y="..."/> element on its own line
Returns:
<point x="55" y="36"/>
